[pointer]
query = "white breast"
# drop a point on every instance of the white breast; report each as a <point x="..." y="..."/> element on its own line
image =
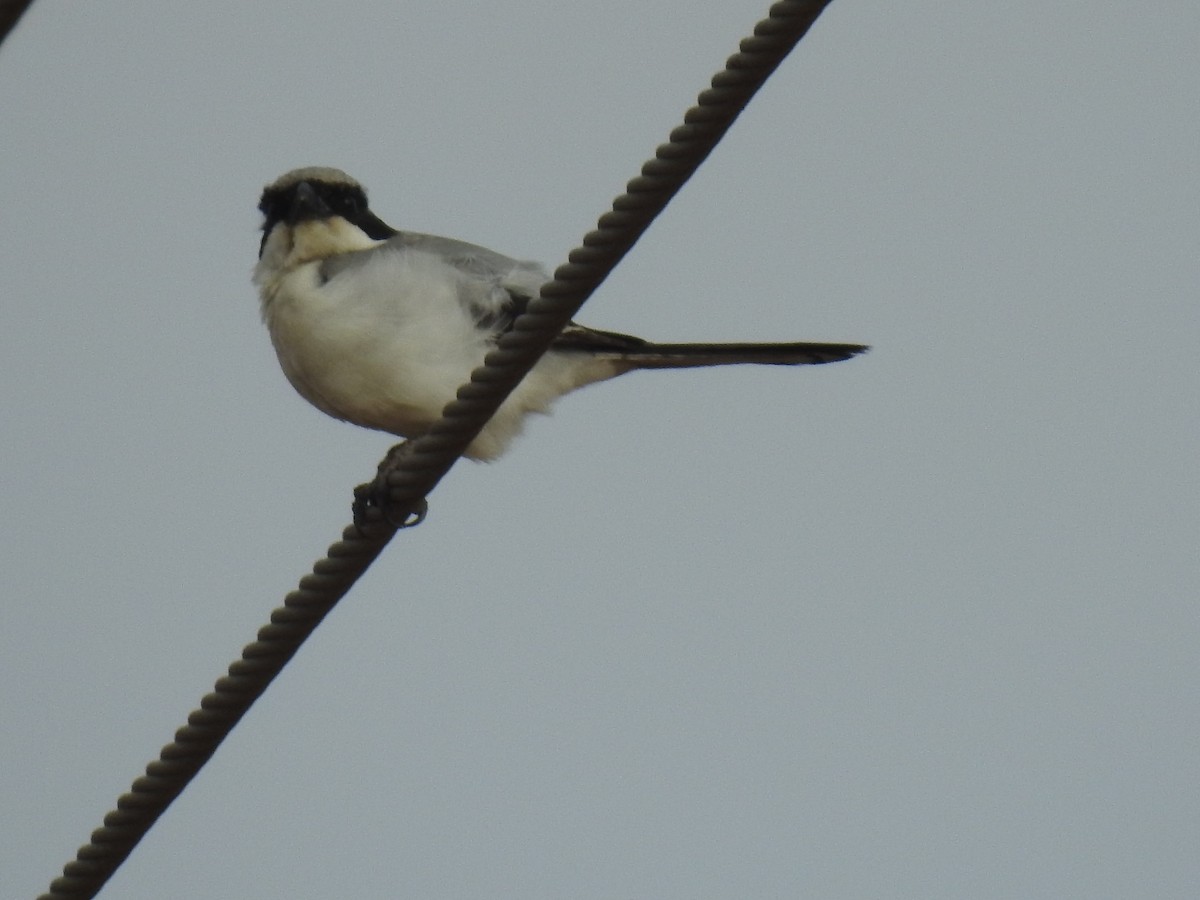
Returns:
<point x="387" y="341"/>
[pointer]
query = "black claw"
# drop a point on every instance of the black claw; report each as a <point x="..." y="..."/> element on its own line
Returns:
<point x="412" y="517"/>
<point x="362" y="509"/>
<point x="372" y="504"/>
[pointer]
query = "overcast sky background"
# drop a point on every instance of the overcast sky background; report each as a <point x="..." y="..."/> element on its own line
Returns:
<point x="919" y="625"/>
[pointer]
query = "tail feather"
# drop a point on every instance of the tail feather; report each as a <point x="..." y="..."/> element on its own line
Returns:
<point x="645" y="354"/>
<point x="803" y="353"/>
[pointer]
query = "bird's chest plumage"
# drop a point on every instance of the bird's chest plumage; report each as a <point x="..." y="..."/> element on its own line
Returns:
<point x="384" y="346"/>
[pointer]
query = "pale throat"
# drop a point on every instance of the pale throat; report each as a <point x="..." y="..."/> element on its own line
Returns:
<point x="322" y="238"/>
<point x="289" y="249"/>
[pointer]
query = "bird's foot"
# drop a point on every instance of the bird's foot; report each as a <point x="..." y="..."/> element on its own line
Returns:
<point x="373" y="504"/>
<point x="373" y="501"/>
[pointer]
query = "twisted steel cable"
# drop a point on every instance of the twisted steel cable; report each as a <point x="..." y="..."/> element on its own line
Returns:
<point x="10" y="13"/>
<point x="410" y="473"/>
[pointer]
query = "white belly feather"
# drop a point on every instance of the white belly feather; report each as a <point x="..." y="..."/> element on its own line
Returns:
<point x="386" y="344"/>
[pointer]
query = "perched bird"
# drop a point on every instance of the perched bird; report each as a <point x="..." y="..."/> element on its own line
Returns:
<point x="380" y="327"/>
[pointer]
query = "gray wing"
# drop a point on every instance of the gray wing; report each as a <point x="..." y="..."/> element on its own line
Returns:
<point x="503" y="285"/>
<point x="521" y="281"/>
<point x="469" y="258"/>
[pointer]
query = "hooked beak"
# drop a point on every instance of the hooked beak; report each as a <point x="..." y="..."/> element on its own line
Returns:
<point x="307" y="205"/>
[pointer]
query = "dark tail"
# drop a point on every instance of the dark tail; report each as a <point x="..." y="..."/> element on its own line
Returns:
<point x="678" y="356"/>
<point x="645" y="354"/>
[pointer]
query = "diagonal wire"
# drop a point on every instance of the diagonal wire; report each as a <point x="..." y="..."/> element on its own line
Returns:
<point x="10" y="13"/>
<point x="411" y="474"/>
<point x="426" y="460"/>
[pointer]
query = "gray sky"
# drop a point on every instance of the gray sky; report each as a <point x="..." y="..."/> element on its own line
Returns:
<point x="920" y="625"/>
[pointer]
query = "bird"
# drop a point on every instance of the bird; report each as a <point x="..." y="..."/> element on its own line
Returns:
<point x="380" y="327"/>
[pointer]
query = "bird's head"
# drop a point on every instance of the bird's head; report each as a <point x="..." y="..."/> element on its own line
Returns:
<point x="318" y="212"/>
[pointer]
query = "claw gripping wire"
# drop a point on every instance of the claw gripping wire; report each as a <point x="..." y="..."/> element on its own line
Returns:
<point x="412" y="475"/>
